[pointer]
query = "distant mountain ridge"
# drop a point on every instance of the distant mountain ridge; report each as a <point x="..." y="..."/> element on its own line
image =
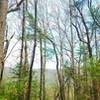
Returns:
<point x="51" y="75"/>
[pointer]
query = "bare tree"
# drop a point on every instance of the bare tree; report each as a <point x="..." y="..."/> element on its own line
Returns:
<point x="33" y="52"/>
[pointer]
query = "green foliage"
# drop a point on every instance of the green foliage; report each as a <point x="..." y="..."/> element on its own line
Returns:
<point x="9" y="90"/>
<point x="15" y="71"/>
<point x="94" y="69"/>
<point x="49" y="52"/>
<point x="80" y="50"/>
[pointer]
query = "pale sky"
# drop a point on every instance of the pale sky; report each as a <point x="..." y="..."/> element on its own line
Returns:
<point x="14" y="26"/>
<point x="13" y="59"/>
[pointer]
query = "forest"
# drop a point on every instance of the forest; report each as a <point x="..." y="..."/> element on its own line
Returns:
<point x="49" y="49"/>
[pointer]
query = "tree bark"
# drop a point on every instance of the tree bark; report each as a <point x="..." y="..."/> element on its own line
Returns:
<point x="3" y="15"/>
<point x="33" y="53"/>
<point x="41" y="69"/>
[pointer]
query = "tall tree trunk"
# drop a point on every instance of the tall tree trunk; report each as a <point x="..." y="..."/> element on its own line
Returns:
<point x="3" y="15"/>
<point x="33" y="53"/>
<point x="72" y="50"/>
<point x="60" y="93"/>
<point x="96" y="46"/>
<point x="25" y="72"/>
<point x="44" y="68"/>
<point x="62" y="70"/>
<point x="21" y="52"/>
<point x="26" y="63"/>
<point x="41" y="69"/>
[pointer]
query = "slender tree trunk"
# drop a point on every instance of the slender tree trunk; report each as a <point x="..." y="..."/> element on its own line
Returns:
<point x="96" y="46"/>
<point x="41" y="69"/>
<point x="60" y="93"/>
<point x="68" y="91"/>
<point x="22" y="42"/>
<point x="44" y="68"/>
<point x="62" y="70"/>
<point x="33" y="53"/>
<point x="43" y="65"/>
<point x="3" y="15"/>
<point x="25" y="72"/>
<point x="21" y="52"/>
<point x="26" y="63"/>
<point x="72" y="50"/>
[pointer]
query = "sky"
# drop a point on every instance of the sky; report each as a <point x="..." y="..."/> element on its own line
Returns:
<point x="14" y="22"/>
<point x="14" y="27"/>
<point x="13" y="59"/>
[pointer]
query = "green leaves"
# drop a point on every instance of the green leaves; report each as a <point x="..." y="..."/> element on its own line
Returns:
<point x="81" y="50"/>
<point x="30" y="19"/>
<point x="49" y="52"/>
<point x="94" y="69"/>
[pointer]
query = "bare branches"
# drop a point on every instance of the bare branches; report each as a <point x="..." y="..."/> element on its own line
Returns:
<point x="17" y="6"/>
<point x="87" y="31"/>
<point x="78" y="34"/>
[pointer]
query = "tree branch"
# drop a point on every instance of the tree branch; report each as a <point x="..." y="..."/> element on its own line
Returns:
<point x="78" y="34"/>
<point x="17" y="7"/>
